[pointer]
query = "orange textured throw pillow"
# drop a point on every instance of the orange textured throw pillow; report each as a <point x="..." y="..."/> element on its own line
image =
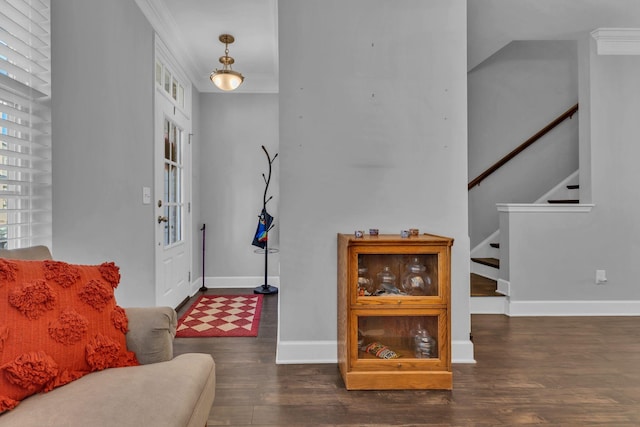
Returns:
<point x="58" y="322"/>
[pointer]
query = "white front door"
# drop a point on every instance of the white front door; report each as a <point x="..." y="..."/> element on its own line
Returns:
<point x="172" y="167"/>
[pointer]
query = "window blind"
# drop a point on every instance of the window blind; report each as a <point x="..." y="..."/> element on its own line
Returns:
<point x="25" y="123"/>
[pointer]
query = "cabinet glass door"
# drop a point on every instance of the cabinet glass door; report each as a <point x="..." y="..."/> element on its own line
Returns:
<point x="397" y="275"/>
<point x="399" y="337"/>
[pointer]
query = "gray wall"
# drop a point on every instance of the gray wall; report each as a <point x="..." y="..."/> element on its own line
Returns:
<point x="197" y="141"/>
<point x="373" y="134"/>
<point x="512" y="95"/>
<point x="102" y="112"/>
<point x="615" y="109"/>
<point x="232" y="129"/>
<point x="554" y="256"/>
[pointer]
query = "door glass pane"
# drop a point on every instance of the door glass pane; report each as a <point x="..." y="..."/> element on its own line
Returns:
<point x="174" y="89"/>
<point x="172" y="142"/>
<point x="166" y="183"/>
<point x="173" y="224"/>
<point x="158" y="73"/>
<point x="173" y="181"/>
<point x="167" y="80"/>
<point x="178" y="184"/>
<point x="166" y="226"/>
<point x="181" y="96"/>
<point x="177" y="154"/>
<point x="178" y="229"/>
<point x="167" y="144"/>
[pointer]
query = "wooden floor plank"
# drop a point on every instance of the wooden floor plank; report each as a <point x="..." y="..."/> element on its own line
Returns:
<point x="568" y="371"/>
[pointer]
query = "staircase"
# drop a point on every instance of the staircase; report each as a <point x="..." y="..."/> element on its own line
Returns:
<point x="485" y="298"/>
<point x="485" y="266"/>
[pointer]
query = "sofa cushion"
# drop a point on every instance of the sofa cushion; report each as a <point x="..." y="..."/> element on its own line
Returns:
<point x="151" y="333"/>
<point x="175" y="393"/>
<point x="58" y="322"/>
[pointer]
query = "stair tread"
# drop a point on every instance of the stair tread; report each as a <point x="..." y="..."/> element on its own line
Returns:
<point x="495" y="245"/>
<point x="491" y="262"/>
<point x="567" y="201"/>
<point x="483" y="286"/>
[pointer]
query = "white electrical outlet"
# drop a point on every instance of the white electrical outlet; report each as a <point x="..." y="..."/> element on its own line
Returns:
<point x="601" y="277"/>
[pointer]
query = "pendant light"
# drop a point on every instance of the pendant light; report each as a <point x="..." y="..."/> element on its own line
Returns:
<point x="226" y="79"/>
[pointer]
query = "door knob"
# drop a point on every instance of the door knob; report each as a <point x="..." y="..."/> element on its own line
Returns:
<point x="162" y="219"/>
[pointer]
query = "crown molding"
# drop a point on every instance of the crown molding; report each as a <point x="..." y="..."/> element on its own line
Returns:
<point x="165" y="27"/>
<point x="617" y="41"/>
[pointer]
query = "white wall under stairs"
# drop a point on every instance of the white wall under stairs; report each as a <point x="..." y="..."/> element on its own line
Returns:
<point x="499" y="305"/>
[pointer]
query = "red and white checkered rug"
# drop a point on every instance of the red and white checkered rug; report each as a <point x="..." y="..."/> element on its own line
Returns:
<point x="222" y="316"/>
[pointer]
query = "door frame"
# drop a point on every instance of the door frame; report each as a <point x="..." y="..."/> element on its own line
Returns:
<point x="178" y="110"/>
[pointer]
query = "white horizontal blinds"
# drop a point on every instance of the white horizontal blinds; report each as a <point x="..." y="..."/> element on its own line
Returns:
<point x="25" y="123"/>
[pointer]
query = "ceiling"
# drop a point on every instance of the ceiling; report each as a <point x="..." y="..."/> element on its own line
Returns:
<point x="491" y="24"/>
<point x="191" y="28"/>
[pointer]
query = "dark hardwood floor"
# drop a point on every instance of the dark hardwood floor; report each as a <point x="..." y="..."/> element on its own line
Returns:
<point x="560" y="371"/>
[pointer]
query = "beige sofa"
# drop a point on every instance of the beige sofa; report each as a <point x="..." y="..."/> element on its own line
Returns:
<point x="162" y="392"/>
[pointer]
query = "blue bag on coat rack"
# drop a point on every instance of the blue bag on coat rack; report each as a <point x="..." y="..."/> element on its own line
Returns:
<point x="264" y="225"/>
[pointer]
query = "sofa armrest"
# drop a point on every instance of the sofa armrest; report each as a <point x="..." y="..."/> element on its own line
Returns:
<point x="151" y="333"/>
<point x="30" y="253"/>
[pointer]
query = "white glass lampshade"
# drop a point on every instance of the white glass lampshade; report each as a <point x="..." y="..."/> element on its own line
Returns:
<point x="226" y="79"/>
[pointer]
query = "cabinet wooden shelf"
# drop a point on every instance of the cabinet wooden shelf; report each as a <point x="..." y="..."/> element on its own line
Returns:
<point x="394" y="299"/>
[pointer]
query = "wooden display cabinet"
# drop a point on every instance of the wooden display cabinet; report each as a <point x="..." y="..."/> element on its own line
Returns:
<point x="394" y="317"/>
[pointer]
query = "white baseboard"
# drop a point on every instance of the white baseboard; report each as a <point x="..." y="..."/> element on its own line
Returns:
<point x="235" y="282"/>
<point x="573" y="308"/>
<point x="305" y="352"/>
<point x="462" y="352"/>
<point x="504" y="305"/>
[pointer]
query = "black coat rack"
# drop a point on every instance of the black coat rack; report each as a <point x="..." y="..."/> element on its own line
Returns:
<point x="203" y="288"/>
<point x="266" y="288"/>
